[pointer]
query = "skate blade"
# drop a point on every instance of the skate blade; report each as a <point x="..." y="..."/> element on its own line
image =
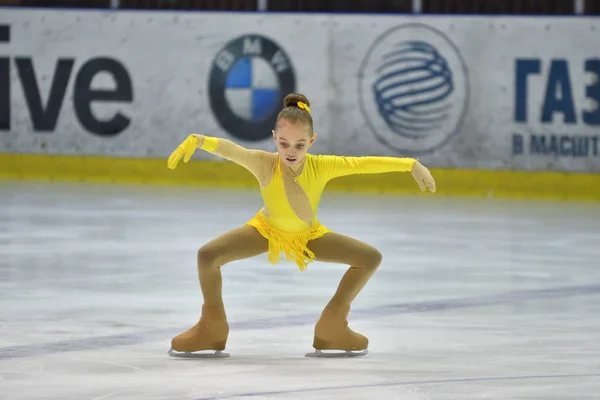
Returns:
<point x="344" y="354"/>
<point x="216" y="354"/>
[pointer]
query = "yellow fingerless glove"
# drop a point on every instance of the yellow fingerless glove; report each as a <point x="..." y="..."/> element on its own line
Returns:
<point x="186" y="148"/>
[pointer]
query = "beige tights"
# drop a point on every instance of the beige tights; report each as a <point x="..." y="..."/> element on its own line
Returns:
<point x="362" y="258"/>
<point x="331" y="331"/>
<point x="246" y="242"/>
<point x="238" y="244"/>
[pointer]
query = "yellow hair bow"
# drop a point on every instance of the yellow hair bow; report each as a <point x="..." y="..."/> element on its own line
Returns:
<point x="303" y="106"/>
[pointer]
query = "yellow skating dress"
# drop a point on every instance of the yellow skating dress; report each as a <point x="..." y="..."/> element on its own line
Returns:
<point x="291" y="198"/>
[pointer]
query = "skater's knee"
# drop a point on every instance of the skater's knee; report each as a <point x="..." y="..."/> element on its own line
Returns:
<point x="370" y="258"/>
<point x="375" y="257"/>
<point x="208" y="257"/>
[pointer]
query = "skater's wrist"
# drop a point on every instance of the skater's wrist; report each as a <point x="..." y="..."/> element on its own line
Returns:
<point x="199" y="140"/>
<point x="208" y="143"/>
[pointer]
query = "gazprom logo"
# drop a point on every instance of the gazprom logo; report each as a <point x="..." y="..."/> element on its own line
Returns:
<point x="413" y="89"/>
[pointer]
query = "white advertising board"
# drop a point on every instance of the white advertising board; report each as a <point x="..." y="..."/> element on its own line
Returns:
<point x="472" y="92"/>
<point x="136" y="83"/>
<point x="456" y="92"/>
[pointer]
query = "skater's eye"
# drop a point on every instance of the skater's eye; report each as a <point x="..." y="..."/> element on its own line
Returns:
<point x="283" y="144"/>
<point x="300" y="146"/>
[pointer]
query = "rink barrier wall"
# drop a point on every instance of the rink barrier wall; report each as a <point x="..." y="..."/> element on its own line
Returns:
<point x="103" y="102"/>
<point x="224" y="174"/>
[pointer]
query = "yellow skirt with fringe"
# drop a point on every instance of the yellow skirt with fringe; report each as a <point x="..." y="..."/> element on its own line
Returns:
<point x="294" y="245"/>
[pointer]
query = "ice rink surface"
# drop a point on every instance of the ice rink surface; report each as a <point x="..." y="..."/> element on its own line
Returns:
<point x="475" y="299"/>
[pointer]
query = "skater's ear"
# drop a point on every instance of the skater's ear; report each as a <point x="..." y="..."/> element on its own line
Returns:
<point x="274" y="134"/>
<point x="312" y="139"/>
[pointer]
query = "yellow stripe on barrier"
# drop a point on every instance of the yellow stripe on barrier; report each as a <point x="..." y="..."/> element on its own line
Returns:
<point x="450" y="182"/>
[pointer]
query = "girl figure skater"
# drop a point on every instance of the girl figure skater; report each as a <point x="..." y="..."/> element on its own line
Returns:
<point x="291" y="182"/>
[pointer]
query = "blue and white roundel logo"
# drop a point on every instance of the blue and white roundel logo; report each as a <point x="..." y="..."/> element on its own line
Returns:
<point x="413" y="89"/>
<point x="249" y="78"/>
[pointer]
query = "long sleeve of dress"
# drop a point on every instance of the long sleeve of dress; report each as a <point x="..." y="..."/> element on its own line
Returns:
<point x="258" y="162"/>
<point x="335" y="166"/>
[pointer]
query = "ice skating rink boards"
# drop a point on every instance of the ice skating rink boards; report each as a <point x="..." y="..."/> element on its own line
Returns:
<point x="208" y="173"/>
<point x="475" y="299"/>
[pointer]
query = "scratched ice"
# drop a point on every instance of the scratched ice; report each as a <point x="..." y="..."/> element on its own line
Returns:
<point x="476" y="299"/>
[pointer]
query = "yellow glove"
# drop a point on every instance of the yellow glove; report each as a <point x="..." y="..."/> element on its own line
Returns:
<point x="423" y="177"/>
<point x="187" y="148"/>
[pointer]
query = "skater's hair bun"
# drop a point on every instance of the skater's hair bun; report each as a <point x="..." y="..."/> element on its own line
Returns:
<point x="296" y="110"/>
<point x="293" y="99"/>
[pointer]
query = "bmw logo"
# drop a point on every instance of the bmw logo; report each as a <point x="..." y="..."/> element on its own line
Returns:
<point x="413" y="89"/>
<point x="248" y="80"/>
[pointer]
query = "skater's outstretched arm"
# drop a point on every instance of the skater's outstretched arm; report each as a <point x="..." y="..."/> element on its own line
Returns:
<point x="335" y="166"/>
<point x="260" y="163"/>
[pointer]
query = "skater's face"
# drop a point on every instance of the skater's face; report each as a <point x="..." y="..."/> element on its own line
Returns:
<point x="293" y="139"/>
